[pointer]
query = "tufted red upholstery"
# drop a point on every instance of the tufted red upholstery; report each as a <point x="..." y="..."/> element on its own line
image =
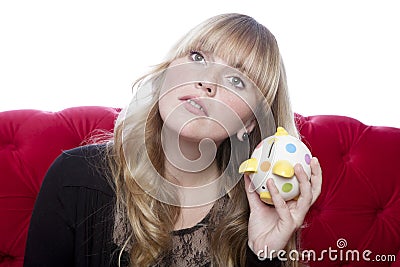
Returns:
<point x="360" y="199"/>
<point x="29" y="141"/>
<point x="359" y="204"/>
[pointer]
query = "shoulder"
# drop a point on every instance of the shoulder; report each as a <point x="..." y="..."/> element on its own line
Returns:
<point x="84" y="166"/>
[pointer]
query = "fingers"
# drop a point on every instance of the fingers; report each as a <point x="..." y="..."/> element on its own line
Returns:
<point x="252" y="196"/>
<point x="305" y="199"/>
<point x="280" y="205"/>
<point x="309" y="189"/>
<point x="316" y="179"/>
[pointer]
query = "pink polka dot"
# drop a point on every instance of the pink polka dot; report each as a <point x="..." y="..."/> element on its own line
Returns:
<point x="307" y="158"/>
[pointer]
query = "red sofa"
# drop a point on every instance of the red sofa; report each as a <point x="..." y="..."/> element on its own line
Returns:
<point x="357" y="214"/>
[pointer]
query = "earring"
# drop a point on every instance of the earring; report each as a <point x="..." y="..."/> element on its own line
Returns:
<point x="245" y="136"/>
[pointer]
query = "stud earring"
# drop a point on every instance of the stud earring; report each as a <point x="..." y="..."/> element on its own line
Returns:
<point x="245" y="136"/>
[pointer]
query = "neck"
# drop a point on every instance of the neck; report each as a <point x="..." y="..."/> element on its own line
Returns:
<point x="189" y="163"/>
<point x="195" y="188"/>
<point x="191" y="179"/>
<point x="192" y="166"/>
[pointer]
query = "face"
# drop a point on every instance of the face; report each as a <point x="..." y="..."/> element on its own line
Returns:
<point x="202" y="97"/>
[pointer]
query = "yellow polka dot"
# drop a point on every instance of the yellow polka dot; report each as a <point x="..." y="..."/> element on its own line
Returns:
<point x="265" y="166"/>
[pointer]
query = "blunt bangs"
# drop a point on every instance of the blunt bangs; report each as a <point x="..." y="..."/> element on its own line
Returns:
<point x="242" y="42"/>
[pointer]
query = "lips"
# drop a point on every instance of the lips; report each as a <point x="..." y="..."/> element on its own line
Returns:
<point x="194" y="105"/>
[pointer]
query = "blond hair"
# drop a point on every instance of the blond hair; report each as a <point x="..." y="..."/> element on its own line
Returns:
<point x="244" y="44"/>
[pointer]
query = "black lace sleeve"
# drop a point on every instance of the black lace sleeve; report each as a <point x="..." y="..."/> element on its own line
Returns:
<point x="253" y="261"/>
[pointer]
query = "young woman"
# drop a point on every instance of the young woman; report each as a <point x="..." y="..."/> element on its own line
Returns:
<point x="165" y="190"/>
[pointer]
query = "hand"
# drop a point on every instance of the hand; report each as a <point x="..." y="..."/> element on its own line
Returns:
<point x="271" y="227"/>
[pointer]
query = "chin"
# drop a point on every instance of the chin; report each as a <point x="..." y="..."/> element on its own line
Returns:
<point x="195" y="132"/>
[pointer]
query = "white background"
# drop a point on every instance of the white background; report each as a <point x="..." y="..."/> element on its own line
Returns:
<point x="342" y="57"/>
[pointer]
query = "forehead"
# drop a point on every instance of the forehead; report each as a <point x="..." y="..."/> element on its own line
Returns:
<point x="237" y="52"/>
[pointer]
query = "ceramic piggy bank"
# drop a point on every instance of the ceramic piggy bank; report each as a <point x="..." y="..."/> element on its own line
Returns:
<point x="275" y="157"/>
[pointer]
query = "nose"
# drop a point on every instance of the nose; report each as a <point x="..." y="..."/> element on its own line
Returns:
<point x="209" y="88"/>
<point x="283" y="168"/>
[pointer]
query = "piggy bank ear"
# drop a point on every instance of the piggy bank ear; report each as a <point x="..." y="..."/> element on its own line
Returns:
<point x="247" y="129"/>
<point x="249" y="166"/>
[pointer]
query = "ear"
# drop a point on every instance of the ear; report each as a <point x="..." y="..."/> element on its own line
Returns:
<point x="248" y="128"/>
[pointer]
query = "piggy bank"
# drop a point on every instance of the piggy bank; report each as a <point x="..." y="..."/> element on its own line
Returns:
<point x="275" y="157"/>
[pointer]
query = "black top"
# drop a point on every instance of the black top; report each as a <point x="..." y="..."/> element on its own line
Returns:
<point x="73" y="219"/>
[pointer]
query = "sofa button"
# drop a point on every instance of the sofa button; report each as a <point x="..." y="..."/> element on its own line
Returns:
<point x="378" y="211"/>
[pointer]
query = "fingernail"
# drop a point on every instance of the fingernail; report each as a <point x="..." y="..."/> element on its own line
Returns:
<point x="270" y="180"/>
<point x="297" y="167"/>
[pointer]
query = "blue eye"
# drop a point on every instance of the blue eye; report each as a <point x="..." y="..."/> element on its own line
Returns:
<point x="236" y="81"/>
<point x="196" y="56"/>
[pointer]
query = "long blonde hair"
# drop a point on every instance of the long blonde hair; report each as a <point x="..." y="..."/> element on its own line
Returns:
<point x="245" y="44"/>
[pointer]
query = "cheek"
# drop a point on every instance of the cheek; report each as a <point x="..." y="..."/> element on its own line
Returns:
<point x="232" y="114"/>
<point x="239" y="106"/>
<point x="168" y="102"/>
<point x="163" y="107"/>
<point x="243" y="110"/>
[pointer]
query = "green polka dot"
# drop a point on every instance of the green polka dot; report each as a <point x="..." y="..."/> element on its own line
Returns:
<point x="287" y="187"/>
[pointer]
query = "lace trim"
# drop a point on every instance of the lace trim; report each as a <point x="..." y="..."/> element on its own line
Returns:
<point x="190" y="245"/>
